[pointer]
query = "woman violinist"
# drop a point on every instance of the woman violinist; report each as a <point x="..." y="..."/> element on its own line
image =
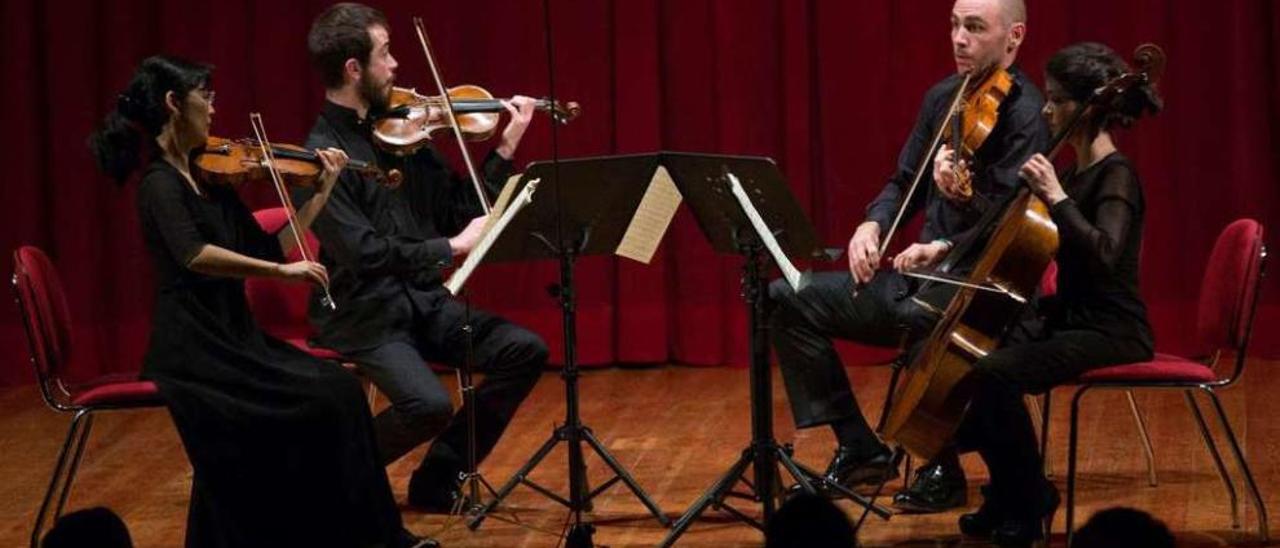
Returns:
<point x="281" y="443"/>
<point x="1097" y="317"/>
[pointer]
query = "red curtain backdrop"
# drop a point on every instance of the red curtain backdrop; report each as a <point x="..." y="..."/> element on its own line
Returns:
<point x="828" y="88"/>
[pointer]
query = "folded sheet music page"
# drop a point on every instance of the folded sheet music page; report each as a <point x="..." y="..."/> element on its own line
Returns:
<point x="651" y="219"/>
<point x="794" y="277"/>
<point x="504" y="198"/>
<point x="503" y="211"/>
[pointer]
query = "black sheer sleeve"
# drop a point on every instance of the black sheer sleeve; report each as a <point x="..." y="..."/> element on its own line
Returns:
<point x="162" y="203"/>
<point x="1099" y="231"/>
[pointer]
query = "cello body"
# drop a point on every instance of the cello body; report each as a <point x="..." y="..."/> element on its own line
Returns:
<point x="936" y="388"/>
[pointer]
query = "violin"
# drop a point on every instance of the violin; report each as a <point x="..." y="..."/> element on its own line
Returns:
<point x="236" y="161"/>
<point x="971" y="116"/>
<point x="975" y="116"/>
<point x="413" y="119"/>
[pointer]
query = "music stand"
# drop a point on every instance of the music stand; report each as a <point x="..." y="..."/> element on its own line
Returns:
<point x="703" y="180"/>
<point x="583" y="208"/>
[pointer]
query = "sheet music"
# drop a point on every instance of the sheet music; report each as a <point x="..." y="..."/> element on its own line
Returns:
<point x="508" y="189"/>
<point x="651" y="219"/>
<point x="459" y="277"/>
<point x="794" y="277"/>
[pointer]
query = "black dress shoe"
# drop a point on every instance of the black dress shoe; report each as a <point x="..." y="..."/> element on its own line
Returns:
<point x="937" y="488"/>
<point x="1029" y="527"/>
<point x="990" y="515"/>
<point x="849" y="471"/>
<point x="852" y="473"/>
<point x="435" y="491"/>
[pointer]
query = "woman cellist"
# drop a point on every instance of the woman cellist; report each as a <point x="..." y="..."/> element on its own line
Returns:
<point x="281" y="443"/>
<point x="1097" y="317"/>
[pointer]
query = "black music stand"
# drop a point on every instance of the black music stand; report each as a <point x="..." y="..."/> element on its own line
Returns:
<point x="583" y="207"/>
<point x="703" y="181"/>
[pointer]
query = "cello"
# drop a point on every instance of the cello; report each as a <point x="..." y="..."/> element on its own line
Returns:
<point x="1008" y="257"/>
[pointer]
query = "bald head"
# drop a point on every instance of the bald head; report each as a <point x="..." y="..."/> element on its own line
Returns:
<point x="1014" y="11"/>
<point x="987" y="32"/>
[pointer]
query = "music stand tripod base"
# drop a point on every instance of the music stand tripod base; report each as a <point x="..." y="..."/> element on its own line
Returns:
<point x="705" y="182"/>
<point x="582" y="209"/>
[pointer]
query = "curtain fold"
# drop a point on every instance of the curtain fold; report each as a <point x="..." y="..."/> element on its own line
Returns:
<point x="828" y="88"/>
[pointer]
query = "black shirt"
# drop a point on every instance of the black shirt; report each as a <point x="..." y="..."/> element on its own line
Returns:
<point x="1020" y="131"/>
<point x="385" y="248"/>
<point x="1100" y="240"/>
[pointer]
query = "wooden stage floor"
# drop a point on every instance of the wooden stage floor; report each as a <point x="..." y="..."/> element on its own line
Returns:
<point x="676" y="429"/>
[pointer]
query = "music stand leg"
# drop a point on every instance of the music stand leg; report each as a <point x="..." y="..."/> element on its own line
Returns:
<point x="573" y="432"/>
<point x="472" y="480"/>
<point x="621" y="473"/>
<point x="763" y="452"/>
<point x="712" y="497"/>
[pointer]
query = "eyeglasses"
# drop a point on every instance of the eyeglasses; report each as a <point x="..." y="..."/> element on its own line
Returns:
<point x="208" y="95"/>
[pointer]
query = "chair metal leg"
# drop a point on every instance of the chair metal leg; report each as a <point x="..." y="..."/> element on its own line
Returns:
<point x="1072" y="438"/>
<point x="58" y="469"/>
<point x="1033" y="409"/>
<point x="884" y="413"/>
<point x="1139" y="420"/>
<point x="1217" y="457"/>
<point x="75" y="465"/>
<point x="907" y="470"/>
<point x="1043" y="413"/>
<point x="888" y="395"/>
<point x="1242" y="464"/>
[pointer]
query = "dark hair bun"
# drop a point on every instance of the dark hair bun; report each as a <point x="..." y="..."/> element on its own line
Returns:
<point x="1082" y="68"/>
<point x="141" y="113"/>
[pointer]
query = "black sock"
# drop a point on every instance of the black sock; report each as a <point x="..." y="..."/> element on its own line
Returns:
<point x="949" y="460"/>
<point x="854" y="434"/>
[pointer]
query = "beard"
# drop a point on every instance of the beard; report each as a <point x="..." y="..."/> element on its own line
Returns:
<point x="377" y="94"/>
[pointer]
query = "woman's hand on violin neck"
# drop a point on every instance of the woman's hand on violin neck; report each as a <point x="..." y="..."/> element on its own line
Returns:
<point x="1042" y="178"/>
<point x="334" y="161"/>
<point x="919" y="256"/>
<point x="304" y="271"/>
<point x="864" y="251"/>
<point x="521" y="109"/>
<point x="945" y="175"/>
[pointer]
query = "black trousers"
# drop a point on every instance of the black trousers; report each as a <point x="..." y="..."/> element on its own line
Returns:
<point x="802" y="327"/>
<point x="510" y="357"/>
<point x="1032" y="361"/>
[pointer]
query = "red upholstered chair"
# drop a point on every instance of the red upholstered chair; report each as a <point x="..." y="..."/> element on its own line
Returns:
<point x="1228" y="303"/>
<point x="281" y="308"/>
<point x="1040" y="412"/>
<point x="47" y="320"/>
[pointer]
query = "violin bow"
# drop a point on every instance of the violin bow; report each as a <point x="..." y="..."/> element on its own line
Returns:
<point x="453" y="121"/>
<point x="924" y="162"/>
<point x="269" y="159"/>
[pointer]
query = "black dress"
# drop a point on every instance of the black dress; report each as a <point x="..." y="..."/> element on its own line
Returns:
<point x="281" y="443"/>
<point x="1096" y="319"/>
